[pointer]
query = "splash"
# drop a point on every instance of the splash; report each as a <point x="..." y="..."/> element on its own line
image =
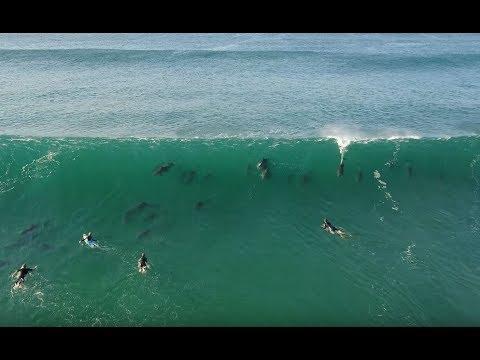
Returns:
<point x="409" y="257"/>
<point x="345" y="135"/>
<point x="342" y="146"/>
<point x="383" y="188"/>
<point x="41" y="167"/>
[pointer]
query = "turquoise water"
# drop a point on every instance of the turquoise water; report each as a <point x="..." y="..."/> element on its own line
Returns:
<point x="86" y="119"/>
<point x="276" y="85"/>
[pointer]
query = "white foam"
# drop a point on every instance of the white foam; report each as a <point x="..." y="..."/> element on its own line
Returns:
<point x="344" y="135"/>
<point x="383" y="187"/>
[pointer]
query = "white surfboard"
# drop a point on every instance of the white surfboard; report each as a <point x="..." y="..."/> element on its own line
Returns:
<point x="18" y="285"/>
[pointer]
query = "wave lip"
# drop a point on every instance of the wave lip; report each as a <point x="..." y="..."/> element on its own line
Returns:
<point x="345" y="135"/>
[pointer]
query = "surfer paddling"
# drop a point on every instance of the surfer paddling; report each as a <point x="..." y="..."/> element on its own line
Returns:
<point x="87" y="239"/>
<point x="329" y="227"/>
<point x="142" y="264"/>
<point x="20" y="275"/>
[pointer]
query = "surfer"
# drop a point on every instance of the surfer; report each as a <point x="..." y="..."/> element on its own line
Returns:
<point x="263" y="167"/>
<point x="328" y="226"/>
<point x="20" y="274"/>
<point x="142" y="264"/>
<point x="86" y="238"/>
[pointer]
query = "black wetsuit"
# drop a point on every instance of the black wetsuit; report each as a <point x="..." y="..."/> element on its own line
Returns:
<point x="328" y="224"/>
<point x="142" y="262"/>
<point x="89" y="238"/>
<point x="23" y="272"/>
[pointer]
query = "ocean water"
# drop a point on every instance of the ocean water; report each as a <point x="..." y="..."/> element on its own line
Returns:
<point x="85" y="120"/>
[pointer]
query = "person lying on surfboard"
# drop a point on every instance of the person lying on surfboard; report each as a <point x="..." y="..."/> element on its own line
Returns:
<point x="21" y="273"/>
<point x="328" y="226"/>
<point x="86" y="237"/>
<point x="142" y="263"/>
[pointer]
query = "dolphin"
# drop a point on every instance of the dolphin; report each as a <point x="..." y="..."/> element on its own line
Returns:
<point x="264" y="169"/>
<point x="340" y="169"/>
<point x="307" y="178"/>
<point x="29" y="229"/>
<point x="409" y="170"/>
<point x="188" y="176"/>
<point x="143" y="234"/>
<point x="359" y="176"/>
<point x="161" y="169"/>
<point x="135" y="210"/>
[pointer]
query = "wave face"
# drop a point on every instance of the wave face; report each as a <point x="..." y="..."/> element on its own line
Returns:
<point x="228" y="248"/>
<point x="243" y="85"/>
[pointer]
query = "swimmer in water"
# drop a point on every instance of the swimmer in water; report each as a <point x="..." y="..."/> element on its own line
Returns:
<point x="328" y="226"/>
<point x="20" y="275"/>
<point x="142" y="264"/>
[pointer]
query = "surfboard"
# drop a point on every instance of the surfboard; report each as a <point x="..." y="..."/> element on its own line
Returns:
<point x="91" y="243"/>
<point x="18" y="285"/>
